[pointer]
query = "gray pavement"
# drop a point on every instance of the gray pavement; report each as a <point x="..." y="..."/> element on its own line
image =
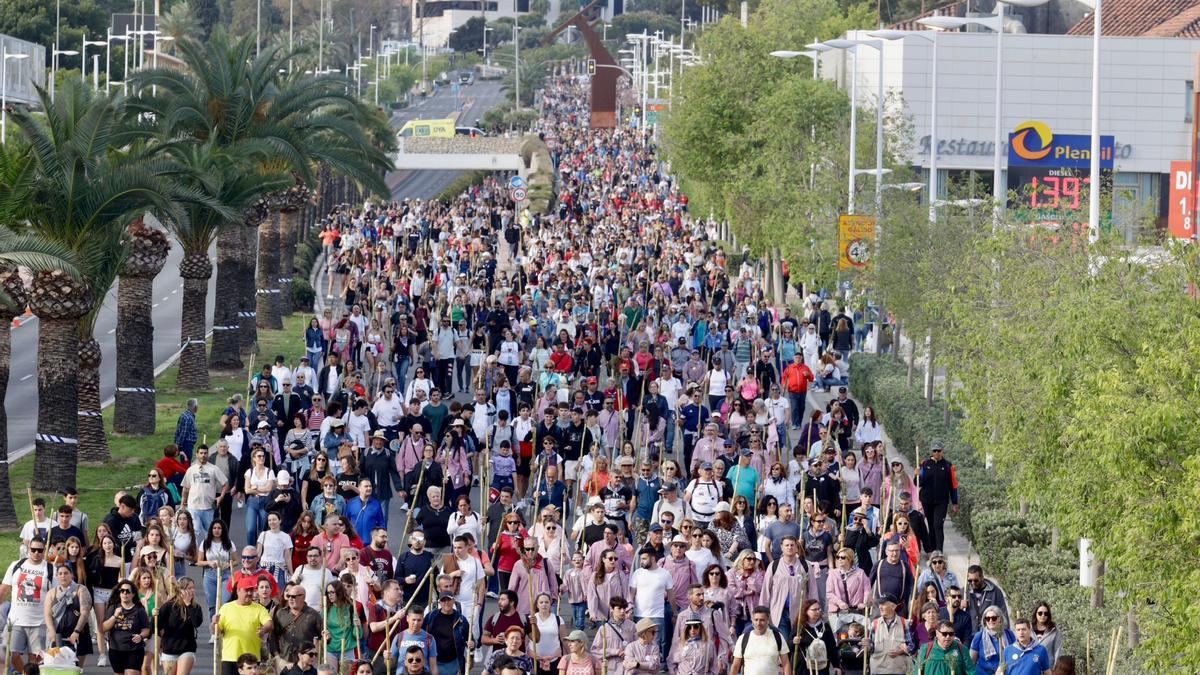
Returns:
<point x="21" y="399"/>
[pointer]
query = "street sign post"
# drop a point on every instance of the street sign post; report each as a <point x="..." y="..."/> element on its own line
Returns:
<point x="516" y="182"/>
<point x="517" y="194"/>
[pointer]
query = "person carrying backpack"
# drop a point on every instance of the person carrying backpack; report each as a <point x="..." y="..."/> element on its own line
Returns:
<point x="762" y="649"/>
<point x="819" y="654"/>
<point x="945" y="655"/>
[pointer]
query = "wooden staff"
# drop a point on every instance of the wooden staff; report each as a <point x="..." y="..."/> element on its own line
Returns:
<point x="154" y="637"/>
<point x="402" y="612"/>
<point x="325" y="603"/>
<point x="250" y="374"/>
<point x="413" y="502"/>
<point x="32" y="515"/>
<point x="217" y="607"/>
<point x="1110" y="667"/>
<point x="8" y="648"/>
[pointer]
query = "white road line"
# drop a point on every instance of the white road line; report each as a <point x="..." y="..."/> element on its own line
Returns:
<point x="165" y="298"/>
<point x="27" y="377"/>
<point x="174" y="291"/>
<point x="111" y="331"/>
<point x="154" y="306"/>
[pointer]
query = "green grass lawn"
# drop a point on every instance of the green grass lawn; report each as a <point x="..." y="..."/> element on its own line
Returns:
<point x="133" y="456"/>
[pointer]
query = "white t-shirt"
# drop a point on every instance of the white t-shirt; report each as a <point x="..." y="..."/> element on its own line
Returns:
<point x="275" y="547"/>
<point x="29" y="584"/>
<point x="670" y="388"/>
<point x="716" y="382"/>
<point x="311" y="581"/>
<point x="472" y="572"/>
<point x="761" y="656"/>
<point x="651" y="586"/>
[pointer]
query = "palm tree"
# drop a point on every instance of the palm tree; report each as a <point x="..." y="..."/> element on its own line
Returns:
<point x="134" y="410"/>
<point x="290" y="123"/>
<point x="233" y="186"/>
<point x="81" y="193"/>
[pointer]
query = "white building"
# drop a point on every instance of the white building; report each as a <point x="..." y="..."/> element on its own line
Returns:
<point x="1146" y="102"/>
<point x="442" y="17"/>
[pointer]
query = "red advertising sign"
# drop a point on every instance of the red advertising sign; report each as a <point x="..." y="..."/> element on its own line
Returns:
<point x="1181" y="216"/>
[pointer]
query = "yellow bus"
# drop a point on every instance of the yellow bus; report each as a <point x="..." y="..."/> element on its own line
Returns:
<point x="428" y="129"/>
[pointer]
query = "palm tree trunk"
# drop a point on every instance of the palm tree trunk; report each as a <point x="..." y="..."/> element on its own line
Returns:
<point x="134" y="406"/>
<point x="59" y="302"/>
<point x="225" y="354"/>
<point x="196" y="269"/>
<point x="57" y="440"/>
<point x="289" y="232"/>
<point x="248" y="317"/>
<point x="266" y="279"/>
<point x="8" y="513"/>
<point x="93" y="442"/>
<point x="135" y="396"/>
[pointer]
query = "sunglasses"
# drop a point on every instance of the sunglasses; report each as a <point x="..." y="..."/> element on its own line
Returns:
<point x="945" y="634"/>
<point x="991" y="618"/>
<point x="956" y="597"/>
<point x="37" y="550"/>
<point x="123" y="591"/>
<point x="842" y="557"/>
<point x="530" y="550"/>
<point x="415" y="659"/>
<point x="937" y="562"/>
<point x="296" y="597"/>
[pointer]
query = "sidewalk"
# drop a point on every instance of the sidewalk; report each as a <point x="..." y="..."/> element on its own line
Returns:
<point x="958" y="551"/>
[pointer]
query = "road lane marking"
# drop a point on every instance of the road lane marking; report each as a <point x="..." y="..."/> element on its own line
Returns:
<point x="154" y="306"/>
<point x="27" y="377"/>
<point x="111" y="331"/>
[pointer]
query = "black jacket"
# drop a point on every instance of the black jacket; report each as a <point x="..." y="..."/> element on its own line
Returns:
<point x="177" y="626"/>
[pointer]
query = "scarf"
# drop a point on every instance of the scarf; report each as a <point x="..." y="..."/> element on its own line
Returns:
<point x="990" y="643"/>
<point x="63" y="600"/>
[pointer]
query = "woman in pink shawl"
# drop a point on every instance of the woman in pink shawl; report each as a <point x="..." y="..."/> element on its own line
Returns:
<point x="896" y="483"/>
<point x="745" y="585"/>
<point x="609" y="582"/>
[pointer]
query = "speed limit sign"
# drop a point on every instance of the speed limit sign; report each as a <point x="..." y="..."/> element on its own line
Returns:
<point x="517" y="194"/>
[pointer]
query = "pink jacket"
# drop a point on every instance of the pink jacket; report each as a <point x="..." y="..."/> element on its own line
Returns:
<point x="543" y="581"/>
<point x="845" y="590"/>
<point x="744" y="593"/>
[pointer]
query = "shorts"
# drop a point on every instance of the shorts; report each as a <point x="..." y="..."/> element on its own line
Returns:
<point x="523" y="468"/>
<point x="122" y="660"/>
<point x="172" y="658"/>
<point x="29" y="639"/>
<point x="101" y="595"/>
<point x="571" y="469"/>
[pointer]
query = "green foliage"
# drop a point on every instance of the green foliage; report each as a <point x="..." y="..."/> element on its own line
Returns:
<point x="649" y="22"/>
<point x="469" y="36"/>
<point x="467" y="180"/>
<point x="303" y="295"/>
<point x="763" y="145"/>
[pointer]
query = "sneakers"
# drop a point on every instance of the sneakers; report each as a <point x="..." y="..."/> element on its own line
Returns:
<point x="212" y="639"/>
<point x="492" y="594"/>
<point x="103" y="660"/>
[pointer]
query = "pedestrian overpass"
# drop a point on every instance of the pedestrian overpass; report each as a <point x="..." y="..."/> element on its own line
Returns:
<point x="464" y="153"/>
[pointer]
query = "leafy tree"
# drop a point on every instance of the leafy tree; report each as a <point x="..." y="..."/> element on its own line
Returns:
<point x="469" y="36"/>
<point x="649" y="22"/>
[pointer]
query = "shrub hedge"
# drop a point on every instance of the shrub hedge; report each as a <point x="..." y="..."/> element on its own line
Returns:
<point x="1014" y="549"/>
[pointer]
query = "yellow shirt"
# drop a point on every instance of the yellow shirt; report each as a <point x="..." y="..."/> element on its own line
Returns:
<point x="239" y="626"/>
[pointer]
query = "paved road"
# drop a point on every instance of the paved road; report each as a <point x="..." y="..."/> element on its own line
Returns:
<point x="21" y="399"/>
<point x="477" y="99"/>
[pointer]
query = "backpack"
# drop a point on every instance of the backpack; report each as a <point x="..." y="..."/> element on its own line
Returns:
<point x="816" y="654"/>
<point x="778" y="639"/>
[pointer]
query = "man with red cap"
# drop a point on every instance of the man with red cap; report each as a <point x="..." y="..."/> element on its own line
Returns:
<point x="241" y="624"/>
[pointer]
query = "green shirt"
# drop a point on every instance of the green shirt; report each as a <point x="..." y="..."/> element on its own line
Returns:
<point x="932" y="660"/>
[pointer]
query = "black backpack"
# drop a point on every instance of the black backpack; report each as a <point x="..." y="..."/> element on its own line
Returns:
<point x="776" y="633"/>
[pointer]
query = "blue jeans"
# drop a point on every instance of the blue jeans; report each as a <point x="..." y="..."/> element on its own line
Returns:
<point x="202" y="519"/>
<point x="448" y="668"/>
<point x="663" y="635"/>
<point x="256" y="518"/>
<point x="799" y="403"/>
<point x="401" y="368"/>
<point x="579" y="612"/>
<point x="827" y="382"/>
<point x="210" y="588"/>
<point x="669" y="434"/>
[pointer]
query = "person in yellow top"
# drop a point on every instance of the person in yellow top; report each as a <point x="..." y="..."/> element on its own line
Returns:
<point x="241" y="625"/>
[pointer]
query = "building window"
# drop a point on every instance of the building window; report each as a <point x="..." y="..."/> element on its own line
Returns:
<point x="1189" y="102"/>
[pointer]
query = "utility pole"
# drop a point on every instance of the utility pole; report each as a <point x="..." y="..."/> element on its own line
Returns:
<point x="517" y="63"/>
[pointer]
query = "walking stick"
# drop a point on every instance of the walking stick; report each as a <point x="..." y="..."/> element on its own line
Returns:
<point x="416" y="493"/>
<point x="157" y="641"/>
<point x="325" y="603"/>
<point x="8" y="647"/>
<point x="403" y="611"/>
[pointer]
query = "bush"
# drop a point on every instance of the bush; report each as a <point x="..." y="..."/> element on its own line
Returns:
<point x="1014" y="549"/>
<point x="303" y="295"/>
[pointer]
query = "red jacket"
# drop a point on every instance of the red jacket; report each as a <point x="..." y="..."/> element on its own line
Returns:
<point x="796" y="378"/>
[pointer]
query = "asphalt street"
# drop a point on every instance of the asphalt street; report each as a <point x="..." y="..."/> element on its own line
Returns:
<point x="476" y="99"/>
<point x="21" y="400"/>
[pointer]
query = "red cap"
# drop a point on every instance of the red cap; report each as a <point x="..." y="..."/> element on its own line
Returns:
<point x="248" y="583"/>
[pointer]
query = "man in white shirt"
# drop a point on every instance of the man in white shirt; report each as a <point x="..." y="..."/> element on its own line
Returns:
<point x="313" y="577"/>
<point x="39" y="526"/>
<point x="27" y="581"/>
<point x="670" y="387"/>
<point x="204" y="485"/>
<point x="471" y="576"/>
<point x="358" y="425"/>
<point x="389" y="410"/>
<point x="305" y="369"/>
<point x="779" y="409"/>
<point x="650" y="589"/>
<point x="762" y="650"/>
<point x="280" y="371"/>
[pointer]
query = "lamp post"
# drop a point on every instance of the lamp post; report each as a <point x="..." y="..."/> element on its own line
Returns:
<point x="812" y="54"/>
<point x="517" y="64"/>
<point x="1094" y="165"/>
<point x="54" y="66"/>
<point x="83" y="56"/>
<point x="888" y="34"/>
<point x="877" y="45"/>
<point x="108" y="59"/>
<point x="995" y="23"/>
<point x="4" y="57"/>
<point x="485" y="43"/>
<point x="154" y="62"/>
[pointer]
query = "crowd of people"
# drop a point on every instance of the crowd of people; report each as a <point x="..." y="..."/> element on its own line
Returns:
<point x="598" y="447"/>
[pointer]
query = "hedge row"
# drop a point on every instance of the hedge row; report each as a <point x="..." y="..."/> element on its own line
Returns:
<point x="1014" y="548"/>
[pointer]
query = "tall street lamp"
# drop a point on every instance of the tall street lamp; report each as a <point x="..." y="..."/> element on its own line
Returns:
<point x="4" y="57"/>
<point x="889" y="34"/>
<point x="853" y="45"/>
<point x="108" y="58"/>
<point x="1094" y="164"/>
<point x="995" y="23"/>
<point x="54" y="66"/>
<point x="83" y="57"/>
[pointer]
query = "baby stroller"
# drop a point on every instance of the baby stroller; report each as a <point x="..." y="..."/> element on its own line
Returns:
<point x="850" y="635"/>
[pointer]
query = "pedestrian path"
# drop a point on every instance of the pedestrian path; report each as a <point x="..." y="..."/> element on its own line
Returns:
<point x="958" y="551"/>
